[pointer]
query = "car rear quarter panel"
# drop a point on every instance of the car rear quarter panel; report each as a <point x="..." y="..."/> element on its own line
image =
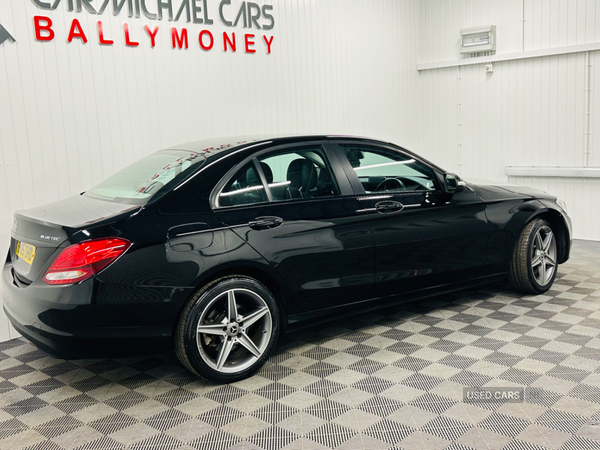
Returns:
<point x="158" y="274"/>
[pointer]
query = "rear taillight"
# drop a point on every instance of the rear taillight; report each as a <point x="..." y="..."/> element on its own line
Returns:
<point x="79" y="262"/>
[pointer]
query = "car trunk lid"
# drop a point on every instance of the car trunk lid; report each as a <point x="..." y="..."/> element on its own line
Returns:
<point x="38" y="232"/>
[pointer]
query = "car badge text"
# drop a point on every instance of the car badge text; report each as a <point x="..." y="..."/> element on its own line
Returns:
<point x="49" y="238"/>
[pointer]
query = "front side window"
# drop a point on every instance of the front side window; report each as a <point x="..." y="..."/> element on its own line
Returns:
<point x="301" y="173"/>
<point x="139" y="182"/>
<point x="383" y="170"/>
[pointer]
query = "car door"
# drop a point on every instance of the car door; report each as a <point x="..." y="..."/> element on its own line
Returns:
<point x="424" y="237"/>
<point x="294" y="205"/>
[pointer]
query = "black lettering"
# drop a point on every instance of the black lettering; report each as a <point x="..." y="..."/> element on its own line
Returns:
<point x="162" y="4"/>
<point x="117" y="7"/>
<point x="207" y="20"/>
<point x="196" y="9"/>
<point x="266" y="15"/>
<point x="241" y="12"/>
<point x="225" y="21"/>
<point x="147" y="13"/>
<point x="87" y="5"/>
<point x="185" y="4"/>
<point x="41" y="4"/>
<point x="103" y="7"/>
<point x="46" y="5"/>
<point x="253" y="16"/>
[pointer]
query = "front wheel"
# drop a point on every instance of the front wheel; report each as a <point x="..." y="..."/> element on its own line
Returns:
<point x="533" y="266"/>
<point x="228" y="329"/>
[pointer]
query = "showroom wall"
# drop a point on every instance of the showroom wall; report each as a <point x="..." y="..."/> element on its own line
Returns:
<point x="72" y="113"/>
<point x="528" y="112"/>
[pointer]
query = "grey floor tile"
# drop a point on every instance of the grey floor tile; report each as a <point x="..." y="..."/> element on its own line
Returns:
<point x="391" y="379"/>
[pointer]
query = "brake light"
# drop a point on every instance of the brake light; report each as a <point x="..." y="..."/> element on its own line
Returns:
<point x="79" y="262"/>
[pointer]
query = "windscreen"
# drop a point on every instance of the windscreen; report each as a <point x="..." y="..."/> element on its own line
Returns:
<point x="141" y="181"/>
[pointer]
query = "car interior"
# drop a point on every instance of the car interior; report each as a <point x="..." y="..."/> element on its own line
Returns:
<point x="296" y="175"/>
<point x="379" y="172"/>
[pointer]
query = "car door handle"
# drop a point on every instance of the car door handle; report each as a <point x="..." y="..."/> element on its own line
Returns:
<point x="265" y="223"/>
<point x="388" y="207"/>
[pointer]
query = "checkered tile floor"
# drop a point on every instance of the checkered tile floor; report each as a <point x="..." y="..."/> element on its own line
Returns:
<point x="392" y="379"/>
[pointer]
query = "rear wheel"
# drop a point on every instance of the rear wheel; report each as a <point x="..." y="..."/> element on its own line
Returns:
<point x="533" y="266"/>
<point x="228" y="329"/>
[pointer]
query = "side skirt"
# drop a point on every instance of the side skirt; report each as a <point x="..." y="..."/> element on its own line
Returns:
<point x="304" y="320"/>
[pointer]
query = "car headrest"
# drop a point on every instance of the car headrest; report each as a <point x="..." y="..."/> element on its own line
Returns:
<point x="302" y="176"/>
<point x="251" y="178"/>
<point x="267" y="171"/>
<point x="354" y="156"/>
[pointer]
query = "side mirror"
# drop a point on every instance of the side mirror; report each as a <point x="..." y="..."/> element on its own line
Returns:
<point x="451" y="183"/>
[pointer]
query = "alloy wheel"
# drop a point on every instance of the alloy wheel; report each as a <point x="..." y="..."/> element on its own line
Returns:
<point x="543" y="258"/>
<point x="234" y="330"/>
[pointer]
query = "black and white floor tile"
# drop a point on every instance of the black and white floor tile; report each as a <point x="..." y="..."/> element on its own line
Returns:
<point x="392" y="379"/>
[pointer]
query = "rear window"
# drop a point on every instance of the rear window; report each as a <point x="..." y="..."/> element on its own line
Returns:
<point x="148" y="178"/>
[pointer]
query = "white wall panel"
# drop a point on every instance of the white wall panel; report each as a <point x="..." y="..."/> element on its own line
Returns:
<point x="528" y="112"/>
<point x="581" y="196"/>
<point x="520" y="24"/>
<point x="441" y="21"/>
<point x="594" y="138"/>
<point x="440" y="118"/>
<point x="72" y="113"/>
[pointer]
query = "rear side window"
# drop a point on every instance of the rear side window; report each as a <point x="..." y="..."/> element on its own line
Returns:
<point x="142" y="181"/>
<point x="298" y="174"/>
<point x="291" y="174"/>
<point x="244" y="188"/>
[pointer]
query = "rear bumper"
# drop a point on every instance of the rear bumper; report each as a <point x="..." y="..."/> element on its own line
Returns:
<point x="91" y="319"/>
<point x="48" y="342"/>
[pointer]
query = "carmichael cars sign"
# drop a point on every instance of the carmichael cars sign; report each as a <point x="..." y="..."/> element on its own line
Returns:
<point x="189" y="20"/>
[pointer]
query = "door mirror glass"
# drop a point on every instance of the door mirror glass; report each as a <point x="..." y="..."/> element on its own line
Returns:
<point x="451" y="182"/>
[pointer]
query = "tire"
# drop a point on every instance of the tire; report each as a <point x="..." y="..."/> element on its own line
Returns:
<point x="225" y="344"/>
<point x="533" y="266"/>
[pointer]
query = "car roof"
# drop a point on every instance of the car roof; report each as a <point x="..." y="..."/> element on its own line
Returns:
<point x="225" y="144"/>
<point x="216" y="148"/>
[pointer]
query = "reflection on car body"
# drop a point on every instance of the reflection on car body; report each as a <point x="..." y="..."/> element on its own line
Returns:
<point x="214" y="248"/>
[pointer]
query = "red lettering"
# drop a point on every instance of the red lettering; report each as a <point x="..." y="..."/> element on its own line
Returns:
<point x="128" y="41"/>
<point x="201" y="39"/>
<point x="76" y="32"/>
<point x="47" y="27"/>
<point x="268" y="42"/>
<point x="152" y="35"/>
<point x="101" y="36"/>
<point x="179" y="40"/>
<point x="248" y="42"/>
<point x="226" y="41"/>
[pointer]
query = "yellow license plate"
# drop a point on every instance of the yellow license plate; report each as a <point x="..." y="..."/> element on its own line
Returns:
<point x="26" y="252"/>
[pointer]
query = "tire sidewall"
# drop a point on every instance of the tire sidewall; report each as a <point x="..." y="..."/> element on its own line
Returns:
<point x="195" y="313"/>
<point x="540" y="223"/>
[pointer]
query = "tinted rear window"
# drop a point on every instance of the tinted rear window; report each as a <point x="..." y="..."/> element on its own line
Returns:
<point x="148" y="178"/>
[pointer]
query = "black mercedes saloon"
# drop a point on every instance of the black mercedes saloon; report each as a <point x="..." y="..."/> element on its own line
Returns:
<point x="214" y="248"/>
